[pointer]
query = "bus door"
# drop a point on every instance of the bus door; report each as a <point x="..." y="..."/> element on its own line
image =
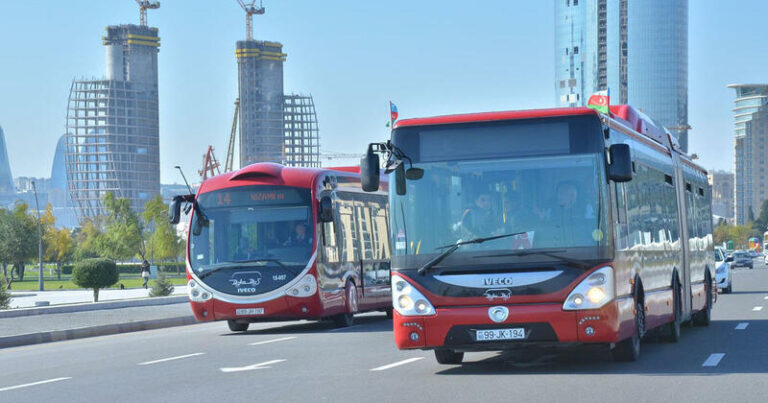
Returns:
<point x="684" y="270"/>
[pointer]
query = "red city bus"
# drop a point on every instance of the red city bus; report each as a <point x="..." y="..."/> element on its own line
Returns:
<point x="269" y="242"/>
<point x="541" y="227"/>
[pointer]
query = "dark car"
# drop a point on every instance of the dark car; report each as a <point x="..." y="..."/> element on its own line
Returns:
<point x="741" y="259"/>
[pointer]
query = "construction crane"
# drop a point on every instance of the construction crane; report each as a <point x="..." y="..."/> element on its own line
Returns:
<point x="228" y="164"/>
<point x="145" y="5"/>
<point x="330" y="155"/>
<point x="210" y="165"/>
<point x="250" y="11"/>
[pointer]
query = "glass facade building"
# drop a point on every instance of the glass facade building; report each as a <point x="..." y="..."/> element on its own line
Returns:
<point x="750" y="129"/>
<point x="638" y="50"/>
<point x="6" y="178"/>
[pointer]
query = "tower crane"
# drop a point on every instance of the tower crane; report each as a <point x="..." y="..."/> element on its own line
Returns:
<point x="145" y="5"/>
<point x="228" y="164"/>
<point x="250" y="10"/>
<point x="210" y="165"/>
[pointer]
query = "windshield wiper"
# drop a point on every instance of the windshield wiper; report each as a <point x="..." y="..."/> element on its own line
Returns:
<point x="238" y="263"/>
<point x="452" y="248"/>
<point x="549" y="253"/>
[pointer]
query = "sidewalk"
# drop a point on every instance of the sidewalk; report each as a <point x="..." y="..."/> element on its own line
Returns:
<point x="27" y="299"/>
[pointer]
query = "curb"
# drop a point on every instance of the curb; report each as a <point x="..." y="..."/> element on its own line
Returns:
<point x="94" y="306"/>
<point x="93" y="331"/>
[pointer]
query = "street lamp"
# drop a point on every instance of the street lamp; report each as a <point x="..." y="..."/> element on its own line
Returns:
<point x="40" y="281"/>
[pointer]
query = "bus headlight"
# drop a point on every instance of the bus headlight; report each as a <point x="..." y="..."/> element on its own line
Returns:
<point x="408" y="301"/>
<point x="197" y="293"/>
<point x="593" y="292"/>
<point x="307" y="287"/>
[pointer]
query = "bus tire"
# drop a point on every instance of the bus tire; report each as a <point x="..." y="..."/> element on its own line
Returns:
<point x="448" y="356"/>
<point x="236" y="326"/>
<point x="704" y="316"/>
<point x="672" y="331"/>
<point x="629" y="349"/>
<point x="347" y="318"/>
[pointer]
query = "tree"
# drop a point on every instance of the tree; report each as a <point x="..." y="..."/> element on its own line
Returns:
<point x="162" y="241"/>
<point x="18" y="231"/>
<point x="161" y="287"/>
<point x="123" y="235"/>
<point x="96" y="274"/>
<point x="59" y="246"/>
<point x="88" y="239"/>
<point x="5" y="296"/>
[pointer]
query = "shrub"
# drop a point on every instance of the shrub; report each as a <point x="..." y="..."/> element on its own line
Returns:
<point x="95" y="273"/>
<point x="5" y="296"/>
<point x="161" y="287"/>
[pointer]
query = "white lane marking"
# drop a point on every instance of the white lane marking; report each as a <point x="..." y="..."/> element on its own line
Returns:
<point x="397" y="364"/>
<point x="757" y="308"/>
<point x="34" y="383"/>
<point x="271" y="341"/>
<point x="713" y="360"/>
<point x="170" y="359"/>
<point x="343" y="328"/>
<point x="261" y="365"/>
<point x="742" y="325"/>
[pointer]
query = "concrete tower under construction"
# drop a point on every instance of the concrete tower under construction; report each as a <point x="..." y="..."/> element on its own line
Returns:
<point x="260" y="83"/>
<point x="113" y="125"/>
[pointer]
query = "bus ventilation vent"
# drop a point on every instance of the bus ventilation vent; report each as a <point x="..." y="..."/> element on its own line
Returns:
<point x="260" y="170"/>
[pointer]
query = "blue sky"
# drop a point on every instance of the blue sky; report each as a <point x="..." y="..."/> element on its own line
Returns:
<point x="429" y="57"/>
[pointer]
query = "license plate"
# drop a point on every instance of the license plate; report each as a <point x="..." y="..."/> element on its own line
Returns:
<point x="249" y="311"/>
<point x="500" y="334"/>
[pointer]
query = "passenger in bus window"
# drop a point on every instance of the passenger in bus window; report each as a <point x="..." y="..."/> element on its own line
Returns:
<point x="480" y="220"/>
<point x="299" y="236"/>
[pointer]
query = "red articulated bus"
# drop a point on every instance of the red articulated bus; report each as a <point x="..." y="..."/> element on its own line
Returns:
<point x="269" y="242"/>
<point x="541" y="227"/>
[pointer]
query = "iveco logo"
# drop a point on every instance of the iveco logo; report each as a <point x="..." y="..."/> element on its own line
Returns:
<point x="493" y="281"/>
<point x="498" y="314"/>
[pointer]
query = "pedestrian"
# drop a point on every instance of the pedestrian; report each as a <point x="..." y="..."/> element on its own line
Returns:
<point x="145" y="272"/>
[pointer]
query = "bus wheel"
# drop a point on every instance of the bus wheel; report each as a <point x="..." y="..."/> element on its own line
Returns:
<point x="629" y="349"/>
<point x="673" y="328"/>
<point x="703" y="317"/>
<point x="347" y="318"/>
<point x="236" y="326"/>
<point x="446" y="356"/>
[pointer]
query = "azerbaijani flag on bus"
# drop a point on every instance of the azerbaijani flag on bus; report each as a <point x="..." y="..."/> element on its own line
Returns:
<point x="600" y="101"/>
<point x="392" y="112"/>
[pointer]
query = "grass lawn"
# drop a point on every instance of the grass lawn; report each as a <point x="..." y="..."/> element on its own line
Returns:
<point x="30" y="284"/>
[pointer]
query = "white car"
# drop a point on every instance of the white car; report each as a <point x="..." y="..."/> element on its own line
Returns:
<point x="723" y="272"/>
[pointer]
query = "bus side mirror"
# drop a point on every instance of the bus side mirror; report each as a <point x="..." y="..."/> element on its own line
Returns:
<point x="620" y="169"/>
<point x="729" y="259"/>
<point x="174" y="212"/>
<point x="400" y="179"/>
<point x="326" y="209"/>
<point x="369" y="171"/>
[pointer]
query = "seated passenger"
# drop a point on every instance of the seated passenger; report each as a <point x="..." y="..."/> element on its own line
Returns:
<point x="299" y="236"/>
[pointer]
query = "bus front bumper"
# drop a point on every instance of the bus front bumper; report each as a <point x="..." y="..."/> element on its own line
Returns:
<point x="282" y="308"/>
<point x="457" y="327"/>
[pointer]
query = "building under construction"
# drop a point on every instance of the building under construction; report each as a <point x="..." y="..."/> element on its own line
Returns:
<point x="274" y="127"/>
<point x="113" y="125"/>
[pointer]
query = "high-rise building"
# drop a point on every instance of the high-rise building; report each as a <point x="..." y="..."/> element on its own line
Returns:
<point x="722" y="193"/>
<point x="113" y="125"/>
<point x="750" y="129"/>
<point x="6" y="179"/>
<point x="302" y="141"/>
<point x="260" y="84"/>
<point x="638" y="50"/>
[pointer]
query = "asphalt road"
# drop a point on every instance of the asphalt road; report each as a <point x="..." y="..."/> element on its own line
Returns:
<point x="308" y="361"/>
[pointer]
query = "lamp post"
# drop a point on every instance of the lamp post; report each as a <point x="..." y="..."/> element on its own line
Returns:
<point x="40" y="281"/>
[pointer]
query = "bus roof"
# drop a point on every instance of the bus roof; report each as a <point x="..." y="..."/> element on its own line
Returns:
<point x="272" y="174"/>
<point x="626" y="115"/>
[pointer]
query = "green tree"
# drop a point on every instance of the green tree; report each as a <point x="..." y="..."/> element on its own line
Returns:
<point x="5" y="296"/>
<point x="162" y="242"/>
<point x="18" y="230"/>
<point x="96" y="274"/>
<point x="88" y="239"/>
<point x="161" y="287"/>
<point x="123" y="235"/>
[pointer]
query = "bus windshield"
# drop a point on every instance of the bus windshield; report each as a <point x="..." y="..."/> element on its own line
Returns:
<point x="266" y="226"/>
<point x="553" y="192"/>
